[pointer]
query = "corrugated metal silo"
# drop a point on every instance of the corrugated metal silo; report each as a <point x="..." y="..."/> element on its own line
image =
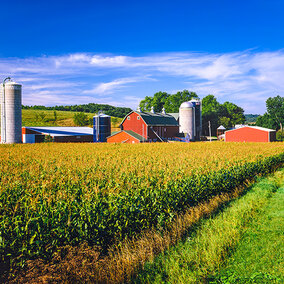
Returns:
<point x="11" y="113"/>
<point x="197" y="117"/>
<point x="102" y="127"/>
<point x="186" y="119"/>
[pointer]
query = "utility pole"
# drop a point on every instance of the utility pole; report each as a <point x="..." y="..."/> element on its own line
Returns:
<point x="209" y="125"/>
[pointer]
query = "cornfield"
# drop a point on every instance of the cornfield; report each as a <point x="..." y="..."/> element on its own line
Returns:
<point x="53" y="195"/>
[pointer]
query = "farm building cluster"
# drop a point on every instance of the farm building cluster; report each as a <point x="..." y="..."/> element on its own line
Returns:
<point x="136" y="127"/>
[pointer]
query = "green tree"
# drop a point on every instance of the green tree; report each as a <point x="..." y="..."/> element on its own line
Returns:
<point x="225" y="121"/>
<point x="81" y="119"/>
<point x="159" y="100"/>
<point x="146" y="104"/>
<point x="274" y="117"/>
<point x="171" y="103"/>
<point x="227" y="114"/>
<point x="174" y="101"/>
<point x="210" y="112"/>
<point x="275" y="109"/>
<point x="235" y="113"/>
<point x="266" y="121"/>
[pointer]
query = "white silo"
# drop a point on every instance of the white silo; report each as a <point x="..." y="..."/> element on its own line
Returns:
<point x="186" y="119"/>
<point x="11" y="112"/>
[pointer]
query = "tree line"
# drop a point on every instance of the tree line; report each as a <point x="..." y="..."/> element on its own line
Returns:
<point x="88" y="108"/>
<point x="227" y="114"/>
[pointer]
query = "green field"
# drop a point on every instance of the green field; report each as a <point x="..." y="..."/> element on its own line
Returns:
<point x="54" y="195"/>
<point x="242" y="244"/>
<point x="31" y="117"/>
<point x="259" y="257"/>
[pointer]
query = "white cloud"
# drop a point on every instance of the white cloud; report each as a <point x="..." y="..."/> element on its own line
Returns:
<point x="109" y="61"/>
<point x="110" y="87"/>
<point x="247" y="78"/>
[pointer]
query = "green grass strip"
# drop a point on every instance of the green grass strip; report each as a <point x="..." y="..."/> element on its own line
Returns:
<point x="208" y="248"/>
<point x="259" y="257"/>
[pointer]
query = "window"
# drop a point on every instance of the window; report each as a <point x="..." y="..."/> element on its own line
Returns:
<point x="128" y="117"/>
<point x="138" y="117"/>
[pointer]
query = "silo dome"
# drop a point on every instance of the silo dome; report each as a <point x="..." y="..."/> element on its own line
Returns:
<point x="186" y="105"/>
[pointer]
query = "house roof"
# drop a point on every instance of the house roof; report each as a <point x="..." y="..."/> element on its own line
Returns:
<point x="154" y="119"/>
<point x="63" y="131"/>
<point x="254" y="127"/>
<point x="131" y="133"/>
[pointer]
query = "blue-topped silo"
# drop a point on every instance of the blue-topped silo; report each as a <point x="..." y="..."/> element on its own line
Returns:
<point x="196" y="102"/>
<point x="101" y="127"/>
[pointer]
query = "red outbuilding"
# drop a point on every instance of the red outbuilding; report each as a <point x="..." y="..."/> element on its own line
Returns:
<point x="150" y="126"/>
<point x="250" y="134"/>
<point x="125" y="136"/>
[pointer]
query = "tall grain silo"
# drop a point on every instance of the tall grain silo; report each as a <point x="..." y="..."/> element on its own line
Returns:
<point x="186" y="119"/>
<point x="101" y="127"/>
<point x="197" y="117"/>
<point x="11" y="112"/>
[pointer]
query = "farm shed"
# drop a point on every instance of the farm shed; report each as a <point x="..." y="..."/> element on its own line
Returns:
<point x="125" y="136"/>
<point x="250" y="134"/>
<point x="59" y="134"/>
<point x="150" y="125"/>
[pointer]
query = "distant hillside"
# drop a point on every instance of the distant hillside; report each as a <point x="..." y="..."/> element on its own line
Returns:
<point x="251" y="118"/>
<point x="35" y="117"/>
<point x="87" y="108"/>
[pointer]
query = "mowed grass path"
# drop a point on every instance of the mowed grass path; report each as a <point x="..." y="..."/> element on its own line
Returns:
<point x="259" y="257"/>
<point x="242" y="244"/>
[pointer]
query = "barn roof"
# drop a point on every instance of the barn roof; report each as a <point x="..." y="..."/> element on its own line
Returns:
<point x="63" y="131"/>
<point x="254" y="127"/>
<point x="154" y="119"/>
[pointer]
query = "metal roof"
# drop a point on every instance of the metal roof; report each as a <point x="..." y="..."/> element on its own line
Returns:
<point x="135" y="135"/>
<point x="254" y="127"/>
<point x="155" y="119"/>
<point x="262" y="128"/>
<point x="63" y="131"/>
<point x="131" y="133"/>
<point x="175" y="115"/>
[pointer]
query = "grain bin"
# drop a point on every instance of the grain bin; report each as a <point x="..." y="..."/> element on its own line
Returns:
<point x="101" y="127"/>
<point x="186" y="119"/>
<point x="11" y="112"/>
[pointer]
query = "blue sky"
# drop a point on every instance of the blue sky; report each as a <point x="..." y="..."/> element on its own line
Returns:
<point x="117" y="52"/>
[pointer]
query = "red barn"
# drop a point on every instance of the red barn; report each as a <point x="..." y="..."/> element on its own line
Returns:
<point x="149" y="126"/>
<point x="250" y="134"/>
